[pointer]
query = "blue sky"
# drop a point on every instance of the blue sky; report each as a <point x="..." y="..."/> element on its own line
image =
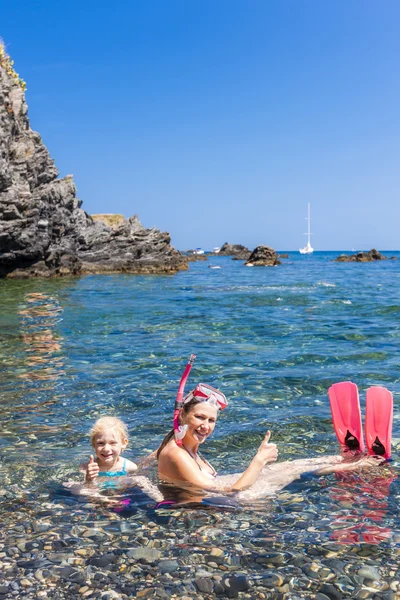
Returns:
<point x="218" y="120"/>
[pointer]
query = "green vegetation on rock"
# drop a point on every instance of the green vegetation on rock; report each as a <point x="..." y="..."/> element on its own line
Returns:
<point x="8" y="65"/>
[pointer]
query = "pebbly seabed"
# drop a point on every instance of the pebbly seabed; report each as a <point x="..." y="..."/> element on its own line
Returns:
<point x="274" y="340"/>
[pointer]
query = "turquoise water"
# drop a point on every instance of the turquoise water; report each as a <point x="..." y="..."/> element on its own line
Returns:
<point x="272" y="339"/>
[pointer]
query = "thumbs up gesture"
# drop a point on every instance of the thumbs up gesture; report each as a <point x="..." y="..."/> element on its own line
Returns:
<point x="267" y="452"/>
<point x="92" y="469"/>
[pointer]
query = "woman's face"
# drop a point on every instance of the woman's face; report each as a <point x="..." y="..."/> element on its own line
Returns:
<point x="201" y="421"/>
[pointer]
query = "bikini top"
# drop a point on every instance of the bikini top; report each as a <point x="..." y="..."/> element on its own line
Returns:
<point x="115" y="473"/>
<point x="214" y="472"/>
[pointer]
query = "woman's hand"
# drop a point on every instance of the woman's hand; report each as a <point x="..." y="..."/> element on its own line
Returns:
<point x="267" y="452"/>
<point x="92" y="470"/>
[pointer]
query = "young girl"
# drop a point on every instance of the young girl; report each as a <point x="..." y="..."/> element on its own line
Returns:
<point x="109" y="437"/>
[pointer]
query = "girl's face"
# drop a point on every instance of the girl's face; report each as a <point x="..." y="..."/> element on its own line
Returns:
<point x="108" y="446"/>
<point x="201" y="421"/>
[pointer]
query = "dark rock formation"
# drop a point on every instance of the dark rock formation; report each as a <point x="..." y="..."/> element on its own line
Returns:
<point x="263" y="256"/>
<point x="238" y="251"/>
<point x="362" y="257"/>
<point x="43" y="230"/>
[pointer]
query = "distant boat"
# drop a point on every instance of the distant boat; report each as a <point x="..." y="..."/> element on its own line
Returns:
<point x="216" y="250"/>
<point x="308" y="249"/>
<point x="198" y="251"/>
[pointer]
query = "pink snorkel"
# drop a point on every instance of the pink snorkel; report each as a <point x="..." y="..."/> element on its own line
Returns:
<point x="178" y="430"/>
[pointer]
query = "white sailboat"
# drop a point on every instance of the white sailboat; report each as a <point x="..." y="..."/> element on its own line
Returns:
<point x="308" y="249"/>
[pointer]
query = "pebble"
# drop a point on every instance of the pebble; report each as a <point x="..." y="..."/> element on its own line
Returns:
<point x="90" y="552"/>
<point x="102" y="561"/>
<point x="146" y="554"/>
<point x="369" y="572"/>
<point x="331" y="591"/>
<point x="168" y="566"/>
<point x="204" y="585"/>
<point x="272" y="580"/>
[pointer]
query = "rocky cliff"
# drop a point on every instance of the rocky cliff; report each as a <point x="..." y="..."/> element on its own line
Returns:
<point x="43" y="229"/>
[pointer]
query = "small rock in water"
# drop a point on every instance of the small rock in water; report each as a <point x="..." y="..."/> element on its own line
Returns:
<point x="204" y="585"/>
<point x="369" y="572"/>
<point x="146" y="554"/>
<point x="240" y="583"/>
<point x="102" y="561"/>
<point x="329" y="590"/>
<point x="168" y="566"/>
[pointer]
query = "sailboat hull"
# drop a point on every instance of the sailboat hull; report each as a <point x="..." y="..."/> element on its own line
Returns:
<point x="306" y="250"/>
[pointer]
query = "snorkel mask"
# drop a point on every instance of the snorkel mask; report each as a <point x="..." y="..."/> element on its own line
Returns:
<point x="202" y="393"/>
<point x="206" y="393"/>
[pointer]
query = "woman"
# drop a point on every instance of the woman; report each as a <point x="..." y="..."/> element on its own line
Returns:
<point x="184" y="474"/>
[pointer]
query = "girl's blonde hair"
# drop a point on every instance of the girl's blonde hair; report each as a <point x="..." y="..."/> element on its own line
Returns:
<point x="109" y="423"/>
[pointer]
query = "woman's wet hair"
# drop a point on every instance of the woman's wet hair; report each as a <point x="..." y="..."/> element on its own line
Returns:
<point x="105" y="423"/>
<point x="185" y="410"/>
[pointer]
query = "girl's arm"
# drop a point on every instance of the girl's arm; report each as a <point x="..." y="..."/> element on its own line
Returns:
<point x="90" y="470"/>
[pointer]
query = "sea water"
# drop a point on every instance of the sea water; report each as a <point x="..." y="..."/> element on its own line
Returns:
<point x="273" y="340"/>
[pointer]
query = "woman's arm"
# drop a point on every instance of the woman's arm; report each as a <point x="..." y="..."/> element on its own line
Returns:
<point x="148" y="460"/>
<point x="266" y="453"/>
<point x="131" y="467"/>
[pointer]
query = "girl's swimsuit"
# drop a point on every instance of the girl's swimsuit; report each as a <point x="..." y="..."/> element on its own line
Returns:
<point x="114" y="473"/>
<point x="112" y="484"/>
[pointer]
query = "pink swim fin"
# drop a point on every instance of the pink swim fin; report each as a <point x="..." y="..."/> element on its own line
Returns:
<point x="346" y="415"/>
<point x="379" y="421"/>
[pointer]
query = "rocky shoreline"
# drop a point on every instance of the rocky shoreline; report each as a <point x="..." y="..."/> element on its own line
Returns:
<point x="43" y="229"/>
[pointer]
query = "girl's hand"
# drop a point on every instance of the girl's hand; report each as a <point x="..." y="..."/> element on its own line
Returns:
<point x="267" y="452"/>
<point x="92" y="469"/>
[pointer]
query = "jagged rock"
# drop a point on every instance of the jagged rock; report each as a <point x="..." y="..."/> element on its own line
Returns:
<point x="238" y="251"/>
<point x="361" y="257"/>
<point x="263" y="256"/>
<point x="43" y="229"/>
<point x="284" y="255"/>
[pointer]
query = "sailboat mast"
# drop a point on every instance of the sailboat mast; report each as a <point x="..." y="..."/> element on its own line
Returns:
<point x="308" y="249"/>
